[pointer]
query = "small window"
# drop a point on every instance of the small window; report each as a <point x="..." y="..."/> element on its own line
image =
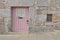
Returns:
<point x="49" y="17"/>
<point x="20" y="12"/>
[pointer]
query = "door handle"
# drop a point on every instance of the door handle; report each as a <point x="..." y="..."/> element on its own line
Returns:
<point x="27" y="21"/>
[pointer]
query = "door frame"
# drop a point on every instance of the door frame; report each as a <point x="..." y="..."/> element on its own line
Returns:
<point x="12" y="13"/>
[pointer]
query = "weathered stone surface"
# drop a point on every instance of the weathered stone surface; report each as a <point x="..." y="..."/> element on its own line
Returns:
<point x="37" y="17"/>
<point x="56" y="18"/>
<point x="2" y="6"/>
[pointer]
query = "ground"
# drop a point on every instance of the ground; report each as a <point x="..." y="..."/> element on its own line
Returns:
<point x="31" y="36"/>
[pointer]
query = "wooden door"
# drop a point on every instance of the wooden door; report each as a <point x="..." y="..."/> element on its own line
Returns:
<point x="20" y="19"/>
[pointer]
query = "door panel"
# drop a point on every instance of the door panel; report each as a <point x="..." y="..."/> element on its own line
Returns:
<point x="19" y="19"/>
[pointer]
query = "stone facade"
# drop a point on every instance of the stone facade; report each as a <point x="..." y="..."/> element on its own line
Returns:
<point x="38" y="10"/>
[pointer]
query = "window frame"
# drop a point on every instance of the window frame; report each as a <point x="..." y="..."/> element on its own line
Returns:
<point x="49" y="18"/>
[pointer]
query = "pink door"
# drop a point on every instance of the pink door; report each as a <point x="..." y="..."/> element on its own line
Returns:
<point x="20" y="19"/>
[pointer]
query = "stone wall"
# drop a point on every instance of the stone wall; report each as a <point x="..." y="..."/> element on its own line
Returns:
<point x="41" y="25"/>
<point x="37" y="22"/>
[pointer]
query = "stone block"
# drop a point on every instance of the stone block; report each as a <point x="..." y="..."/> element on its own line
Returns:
<point x="56" y="18"/>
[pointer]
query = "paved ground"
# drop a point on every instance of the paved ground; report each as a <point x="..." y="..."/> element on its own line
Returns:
<point x="32" y="36"/>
